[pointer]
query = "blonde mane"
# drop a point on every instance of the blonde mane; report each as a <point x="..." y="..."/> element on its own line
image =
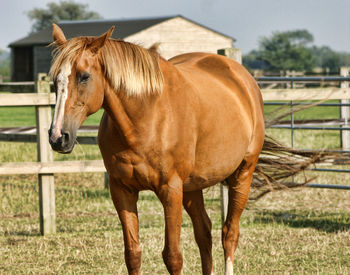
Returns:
<point x="129" y="68"/>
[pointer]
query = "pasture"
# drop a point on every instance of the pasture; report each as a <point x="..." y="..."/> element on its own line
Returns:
<point x="303" y="231"/>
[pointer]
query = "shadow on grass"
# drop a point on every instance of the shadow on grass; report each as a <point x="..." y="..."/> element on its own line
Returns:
<point x="21" y="233"/>
<point x="326" y="222"/>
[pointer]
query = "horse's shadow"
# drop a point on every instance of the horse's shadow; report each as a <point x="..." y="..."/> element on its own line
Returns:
<point x="22" y="233"/>
<point x="326" y="222"/>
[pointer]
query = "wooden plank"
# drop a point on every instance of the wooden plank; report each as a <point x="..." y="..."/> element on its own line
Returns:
<point x="17" y="87"/>
<point x="18" y="168"/>
<point x="18" y="137"/>
<point x="305" y="94"/>
<point x="345" y="112"/>
<point x="27" y="99"/>
<point x="43" y="114"/>
<point x="46" y="181"/>
<point x="47" y="207"/>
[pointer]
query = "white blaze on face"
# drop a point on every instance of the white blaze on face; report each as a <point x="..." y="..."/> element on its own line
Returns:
<point x="229" y="267"/>
<point x="62" y="95"/>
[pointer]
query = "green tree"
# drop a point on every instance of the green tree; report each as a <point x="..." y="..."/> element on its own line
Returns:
<point x="64" y="10"/>
<point x="287" y="51"/>
<point x="344" y="58"/>
<point x="327" y="59"/>
<point x="4" y="63"/>
<point x="252" y="60"/>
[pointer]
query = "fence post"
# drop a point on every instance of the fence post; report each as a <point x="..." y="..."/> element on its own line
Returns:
<point x="236" y="55"/>
<point x="344" y="112"/>
<point x="46" y="181"/>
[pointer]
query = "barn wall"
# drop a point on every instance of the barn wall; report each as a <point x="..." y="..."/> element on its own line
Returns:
<point x="42" y="60"/>
<point x="178" y="35"/>
<point x="22" y="64"/>
<point x="27" y="62"/>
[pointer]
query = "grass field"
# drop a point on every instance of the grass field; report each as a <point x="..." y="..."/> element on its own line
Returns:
<point x="25" y="116"/>
<point x="304" y="231"/>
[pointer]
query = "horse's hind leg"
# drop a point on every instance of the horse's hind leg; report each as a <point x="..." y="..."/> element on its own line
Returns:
<point x="194" y="205"/>
<point x="239" y="185"/>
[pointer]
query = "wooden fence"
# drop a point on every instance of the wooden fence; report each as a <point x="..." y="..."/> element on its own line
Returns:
<point x="45" y="167"/>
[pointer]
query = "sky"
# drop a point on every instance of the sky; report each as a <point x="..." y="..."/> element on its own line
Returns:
<point x="245" y="20"/>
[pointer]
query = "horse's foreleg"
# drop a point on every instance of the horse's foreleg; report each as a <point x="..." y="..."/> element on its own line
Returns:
<point x="239" y="186"/>
<point x="125" y="200"/>
<point x="194" y="205"/>
<point x="170" y="195"/>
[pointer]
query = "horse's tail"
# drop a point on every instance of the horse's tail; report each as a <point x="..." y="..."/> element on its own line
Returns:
<point x="278" y="164"/>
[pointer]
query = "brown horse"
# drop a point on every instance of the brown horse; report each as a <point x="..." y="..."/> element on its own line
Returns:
<point x="174" y="127"/>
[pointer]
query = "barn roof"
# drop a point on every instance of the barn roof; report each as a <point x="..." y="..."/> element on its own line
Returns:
<point x="124" y="28"/>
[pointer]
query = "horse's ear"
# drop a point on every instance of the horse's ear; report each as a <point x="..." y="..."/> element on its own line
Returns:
<point x="58" y="35"/>
<point x="155" y="47"/>
<point x="99" y="41"/>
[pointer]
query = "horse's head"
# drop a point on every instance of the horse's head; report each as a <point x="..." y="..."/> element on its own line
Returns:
<point x="79" y="83"/>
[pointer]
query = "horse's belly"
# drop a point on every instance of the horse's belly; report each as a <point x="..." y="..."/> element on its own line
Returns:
<point x="209" y="172"/>
<point x="218" y="155"/>
<point x="201" y="181"/>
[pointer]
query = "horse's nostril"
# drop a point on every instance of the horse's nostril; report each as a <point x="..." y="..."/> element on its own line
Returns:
<point x="65" y="137"/>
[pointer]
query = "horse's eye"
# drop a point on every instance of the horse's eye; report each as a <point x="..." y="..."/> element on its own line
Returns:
<point x="84" y="77"/>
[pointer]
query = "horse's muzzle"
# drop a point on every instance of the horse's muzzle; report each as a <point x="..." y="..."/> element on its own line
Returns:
<point x="63" y="144"/>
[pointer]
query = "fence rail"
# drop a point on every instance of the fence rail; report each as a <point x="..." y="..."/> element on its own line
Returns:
<point x="301" y="94"/>
<point x="43" y="99"/>
<point x="24" y="99"/>
<point x="302" y="79"/>
<point x="18" y="87"/>
<point x="305" y="94"/>
<point x="15" y="168"/>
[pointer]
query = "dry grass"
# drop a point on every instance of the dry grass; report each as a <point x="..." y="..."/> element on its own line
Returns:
<point x="303" y="231"/>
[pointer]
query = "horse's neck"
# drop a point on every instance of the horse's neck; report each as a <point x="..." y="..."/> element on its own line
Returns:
<point x="132" y="114"/>
<point x="117" y="112"/>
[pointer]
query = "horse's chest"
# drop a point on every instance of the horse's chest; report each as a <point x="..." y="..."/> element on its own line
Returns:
<point x="131" y="169"/>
